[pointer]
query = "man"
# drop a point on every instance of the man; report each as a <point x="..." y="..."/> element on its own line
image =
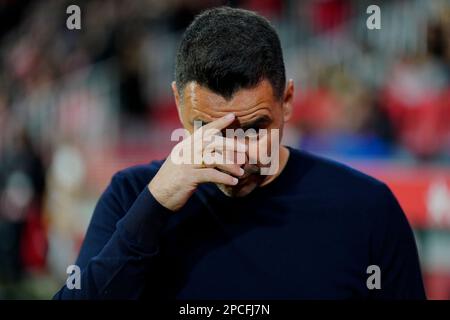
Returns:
<point x="223" y="230"/>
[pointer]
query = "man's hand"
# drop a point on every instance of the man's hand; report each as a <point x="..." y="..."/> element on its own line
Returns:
<point x="174" y="183"/>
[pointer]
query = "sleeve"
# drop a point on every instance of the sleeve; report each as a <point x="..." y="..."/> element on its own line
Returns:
<point x="394" y="251"/>
<point x="120" y="245"/>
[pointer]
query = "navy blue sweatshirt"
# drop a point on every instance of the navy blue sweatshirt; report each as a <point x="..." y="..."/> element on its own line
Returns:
<point x="309" y="234"/>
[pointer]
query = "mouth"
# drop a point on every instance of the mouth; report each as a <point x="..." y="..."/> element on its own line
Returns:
<point x="250" y="170"/>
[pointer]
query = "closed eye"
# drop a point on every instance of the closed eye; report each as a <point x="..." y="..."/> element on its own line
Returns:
<point x="259" y="123"/>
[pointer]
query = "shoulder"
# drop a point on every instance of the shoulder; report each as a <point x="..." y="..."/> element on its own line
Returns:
<point x="128" y="183"/>
<point x="138" y="174"/>
<point x="339" y="182"/>
<point x="347" y="196"/>
<point x="333" y="171"/>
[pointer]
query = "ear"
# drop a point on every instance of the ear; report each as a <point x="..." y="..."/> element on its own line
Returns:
<point x="288" y="100"/>
<point x="176" y="95"/>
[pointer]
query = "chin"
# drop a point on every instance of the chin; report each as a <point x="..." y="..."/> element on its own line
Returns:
<point x="239" y="190"/>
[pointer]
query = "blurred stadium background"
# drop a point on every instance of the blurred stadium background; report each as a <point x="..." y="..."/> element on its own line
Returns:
<point x="76" y="106"/>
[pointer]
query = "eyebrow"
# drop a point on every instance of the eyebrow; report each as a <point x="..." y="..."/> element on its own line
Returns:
<point x="260" y="121"/>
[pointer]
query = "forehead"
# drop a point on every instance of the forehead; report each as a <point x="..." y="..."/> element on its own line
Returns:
<point x="202" y="103"/>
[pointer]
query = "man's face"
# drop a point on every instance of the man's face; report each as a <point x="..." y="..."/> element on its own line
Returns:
<point x="256" y="108"/>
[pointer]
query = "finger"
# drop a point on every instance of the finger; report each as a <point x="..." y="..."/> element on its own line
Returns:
<point x="220" y="123"/>
<point x="215" y="176"/>
<point x="232" y="169"/>
<point x="222" y="143"/>
<point x="216" y="156"/>
<point x="233" y="157"/>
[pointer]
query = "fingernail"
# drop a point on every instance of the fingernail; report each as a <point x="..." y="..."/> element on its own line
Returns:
<point x="235" y="180"/>
<point x="241" y="171"/>
<point x="229" y="116"/>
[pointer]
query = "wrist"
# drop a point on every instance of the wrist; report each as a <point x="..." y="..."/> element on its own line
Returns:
<point x="164" y="198"/>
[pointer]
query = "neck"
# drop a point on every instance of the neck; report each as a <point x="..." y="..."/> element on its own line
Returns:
<point x="283" y="156"/>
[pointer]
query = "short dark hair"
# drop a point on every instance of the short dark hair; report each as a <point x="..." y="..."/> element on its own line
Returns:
<point x="227" y="49"/>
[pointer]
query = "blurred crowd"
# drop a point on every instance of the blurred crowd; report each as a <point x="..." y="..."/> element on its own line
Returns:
<point x="76" y="105"/>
